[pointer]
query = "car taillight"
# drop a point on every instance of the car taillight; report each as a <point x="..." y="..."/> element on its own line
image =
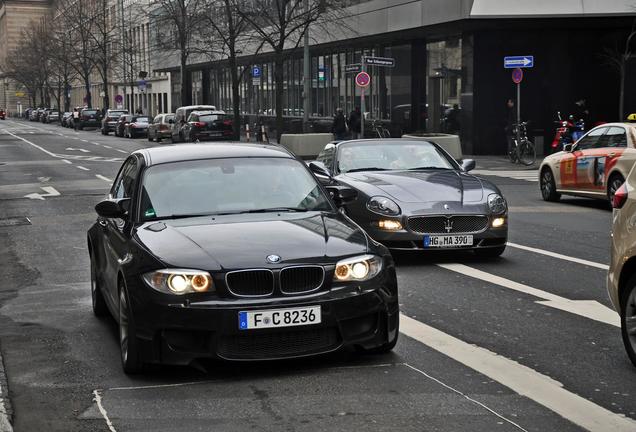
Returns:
<point x="227" y="122"/>
<point x="620" y="197"/>
<point x="199" y="124"/>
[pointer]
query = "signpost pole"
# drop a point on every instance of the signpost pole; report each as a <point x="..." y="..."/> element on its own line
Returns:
<point x="362" y="104"/>
<point x="518" y="113"/>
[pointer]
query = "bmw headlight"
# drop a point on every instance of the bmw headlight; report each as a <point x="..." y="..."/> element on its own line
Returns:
<point x="383" y="205"/>
<point x="497" y="204"/>
<point x="360" y="268"/>
<point x="179" y="281"/>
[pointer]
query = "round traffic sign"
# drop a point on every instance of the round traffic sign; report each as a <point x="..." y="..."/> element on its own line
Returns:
<point x="119" y="99"/>
<point x="363" y="79"/>
<point x="517" y="75"/>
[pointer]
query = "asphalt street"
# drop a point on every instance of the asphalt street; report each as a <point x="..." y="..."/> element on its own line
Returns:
<point x="526" y="342"/>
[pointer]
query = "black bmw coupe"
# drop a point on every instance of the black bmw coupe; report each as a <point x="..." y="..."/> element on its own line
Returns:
<point x="235" y="251"/>
<point x="414" y="195"/>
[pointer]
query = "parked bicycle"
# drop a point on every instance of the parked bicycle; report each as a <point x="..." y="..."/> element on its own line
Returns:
<point x="379" y="130"/>
<point x="522" y="149"/>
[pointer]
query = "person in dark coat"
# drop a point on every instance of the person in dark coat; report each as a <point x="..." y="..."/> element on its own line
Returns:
<point x="339" y="127"/>
<point x="354" y="123"/>
<point x="511" y="119"/>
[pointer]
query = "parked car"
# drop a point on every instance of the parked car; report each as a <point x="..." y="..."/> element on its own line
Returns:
<point x="89" y="117"/>
<point x="595" y="166"/>
<point x="621" y="276"/>
<point x="207" y="125"/>
<point x="34" y="115"/>
<point x="160" y="127"/>
<point x="110" y="120"/>
<point x="64" y="120"/>
<point x="50" y="115"/>
<point x="27" y="113"/>
<point x="235" y="252"/>
<point x="3" y="114"/>
<point x="138" y="126"/>
<point x="412" y="195"/>
<point x="122" y="121"/>
<point x="181" y="117"/>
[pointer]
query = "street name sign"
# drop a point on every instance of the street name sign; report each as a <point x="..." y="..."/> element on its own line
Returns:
<point x="513" y="62"/>
<point x="363" y="80"/>
<point x="379" y="61"/>
<point x="353" y="68"/>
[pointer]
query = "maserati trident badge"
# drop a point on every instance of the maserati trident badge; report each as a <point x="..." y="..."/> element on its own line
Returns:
<point x="448" y="225"/>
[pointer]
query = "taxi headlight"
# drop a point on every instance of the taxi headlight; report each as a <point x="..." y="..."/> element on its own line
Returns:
<point x="179" y="281"/>
<point x="383" y="205"/>
<point x="497" y="204"/>
<point x="359" y="268"/>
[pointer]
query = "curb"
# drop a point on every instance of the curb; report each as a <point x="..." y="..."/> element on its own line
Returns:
<point x="5" y="403"/>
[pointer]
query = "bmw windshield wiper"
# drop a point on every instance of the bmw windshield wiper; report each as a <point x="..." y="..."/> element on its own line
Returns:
<point x="181" y="216"/>
<point x="275" y="209"/>
<point x="429" y="168"/>
<point x="368" y="169"/>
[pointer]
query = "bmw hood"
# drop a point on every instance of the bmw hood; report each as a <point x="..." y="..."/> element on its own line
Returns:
<point x="420" y="186"/>
<point x="244" y="241"/>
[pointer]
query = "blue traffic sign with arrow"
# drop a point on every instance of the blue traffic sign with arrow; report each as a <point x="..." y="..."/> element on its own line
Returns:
<point x="513" y="62"/>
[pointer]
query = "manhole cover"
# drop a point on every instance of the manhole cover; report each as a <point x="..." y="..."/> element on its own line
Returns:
<point x="14" y="221"/>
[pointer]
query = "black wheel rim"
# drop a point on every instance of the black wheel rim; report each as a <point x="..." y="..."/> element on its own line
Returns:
<point x="630" y="319"/>
<point x="546" y="184"/>
<point x="123" y="325"/>
<point x="614" y="186"/>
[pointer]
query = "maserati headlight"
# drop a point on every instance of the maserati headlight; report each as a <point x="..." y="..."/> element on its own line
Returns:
<point x="383" y="205"/>
<point x="497" y="204"/>
<point x="179" y="281"/>
<point x="360" y="268"/>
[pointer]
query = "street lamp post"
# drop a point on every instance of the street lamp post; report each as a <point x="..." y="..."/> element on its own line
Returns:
<point x="6" y="89"/>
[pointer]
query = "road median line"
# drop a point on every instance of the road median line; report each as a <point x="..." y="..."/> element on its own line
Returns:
<point x="560" y="256"/>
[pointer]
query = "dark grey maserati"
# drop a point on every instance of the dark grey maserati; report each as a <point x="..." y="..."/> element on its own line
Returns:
<point x="414" y="195"/>
<point x="235" y="251"/>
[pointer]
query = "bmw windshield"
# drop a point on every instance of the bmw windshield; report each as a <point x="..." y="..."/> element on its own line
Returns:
<point x="391" y="155"/>
<point x="229" y="186"/>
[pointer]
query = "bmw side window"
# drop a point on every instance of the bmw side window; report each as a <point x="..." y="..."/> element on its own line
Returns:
<point x="616" y="137"/>
<point x="122" y="188"/>
<point x="591" y="140"/>
<point x="326" y="155"/>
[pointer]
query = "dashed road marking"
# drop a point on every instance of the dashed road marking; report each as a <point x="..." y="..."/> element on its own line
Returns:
<point x="105" y="146"/>
<point x="519" y="378"/>
<point x="82" y="168"/>
<point x="67" y="161"/>
<point x="527" y="175"/>
<point x="560" y="256"/>
<point x="122" y="151"/>
<point x="101" y="177"/>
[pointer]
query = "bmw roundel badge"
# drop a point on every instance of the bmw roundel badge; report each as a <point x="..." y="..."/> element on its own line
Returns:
<point x="273" y="259"/>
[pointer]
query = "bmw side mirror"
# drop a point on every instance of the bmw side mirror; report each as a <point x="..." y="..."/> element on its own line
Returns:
<point x="113" y="208"/>
<point x="342" y="195"/>
<point x="568" y="147"/>
<point x="320" y="169"/>
<point x="468" y="165"/>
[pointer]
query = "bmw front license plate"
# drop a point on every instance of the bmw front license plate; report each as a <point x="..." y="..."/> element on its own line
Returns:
<point x="431" y="241"/>
<point x="279" y="318"/>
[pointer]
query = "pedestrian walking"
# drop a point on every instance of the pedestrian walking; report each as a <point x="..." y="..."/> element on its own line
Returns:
<point x="339" y="127"/>
<point x="354" y="123"/>
<point x="76" y="118"/>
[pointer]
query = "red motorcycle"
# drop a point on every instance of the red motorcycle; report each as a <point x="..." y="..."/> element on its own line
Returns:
<point x="567" y="132"/>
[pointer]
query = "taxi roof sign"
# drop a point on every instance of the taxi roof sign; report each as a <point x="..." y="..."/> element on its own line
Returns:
<point x="631" y="118"/>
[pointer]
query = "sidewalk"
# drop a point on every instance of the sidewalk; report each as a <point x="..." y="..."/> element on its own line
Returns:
<point x="501" y="163"/>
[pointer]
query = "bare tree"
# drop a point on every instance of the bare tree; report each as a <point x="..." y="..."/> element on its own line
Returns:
<point x="281" y="25"/>
<point x="182" y="19"/>
<point x="61" y="52"/>
<point x="78" y="17"/>
<point x="225" y="33"/>
<point x="104" y="36"/>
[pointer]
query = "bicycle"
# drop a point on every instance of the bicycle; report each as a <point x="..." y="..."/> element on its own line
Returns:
<point x="523" y="149"/>
<point x="380" y="130"/>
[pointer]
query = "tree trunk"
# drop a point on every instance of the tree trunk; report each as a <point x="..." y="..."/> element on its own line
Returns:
<point x="106" y="98"/>
<point x="87" y="87"/>
<point x="278" y="98"/>
<point x="182" y="77"/>
<point x="67" y="100"/>
<point x="236" y="102"/>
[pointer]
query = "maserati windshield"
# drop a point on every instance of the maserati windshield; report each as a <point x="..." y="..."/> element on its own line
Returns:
<point x="228" y="186"/>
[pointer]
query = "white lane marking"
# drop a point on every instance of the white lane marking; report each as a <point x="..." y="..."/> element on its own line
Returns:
<point x="122" y="151"/>
<point x="590" y="309"/>
<point x="519" y="378"/>
<point x="44" y="179"/>
<point x="50" y="191"/>
<point x="67" y="161"/>
<point x="83" y="140"/>
<point x="101" y="177"/>
<point x="32" y="144"/>
<point x="78" y="149"/>
<point x="83" y="168"/>
<point x="96" y="143"/>
<point x="102" y="410"/>
<point x="527" y="175"/>
<point x="560" y="256"/>
<point x="453" y="389"/>
<point x="105" y="146"/>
